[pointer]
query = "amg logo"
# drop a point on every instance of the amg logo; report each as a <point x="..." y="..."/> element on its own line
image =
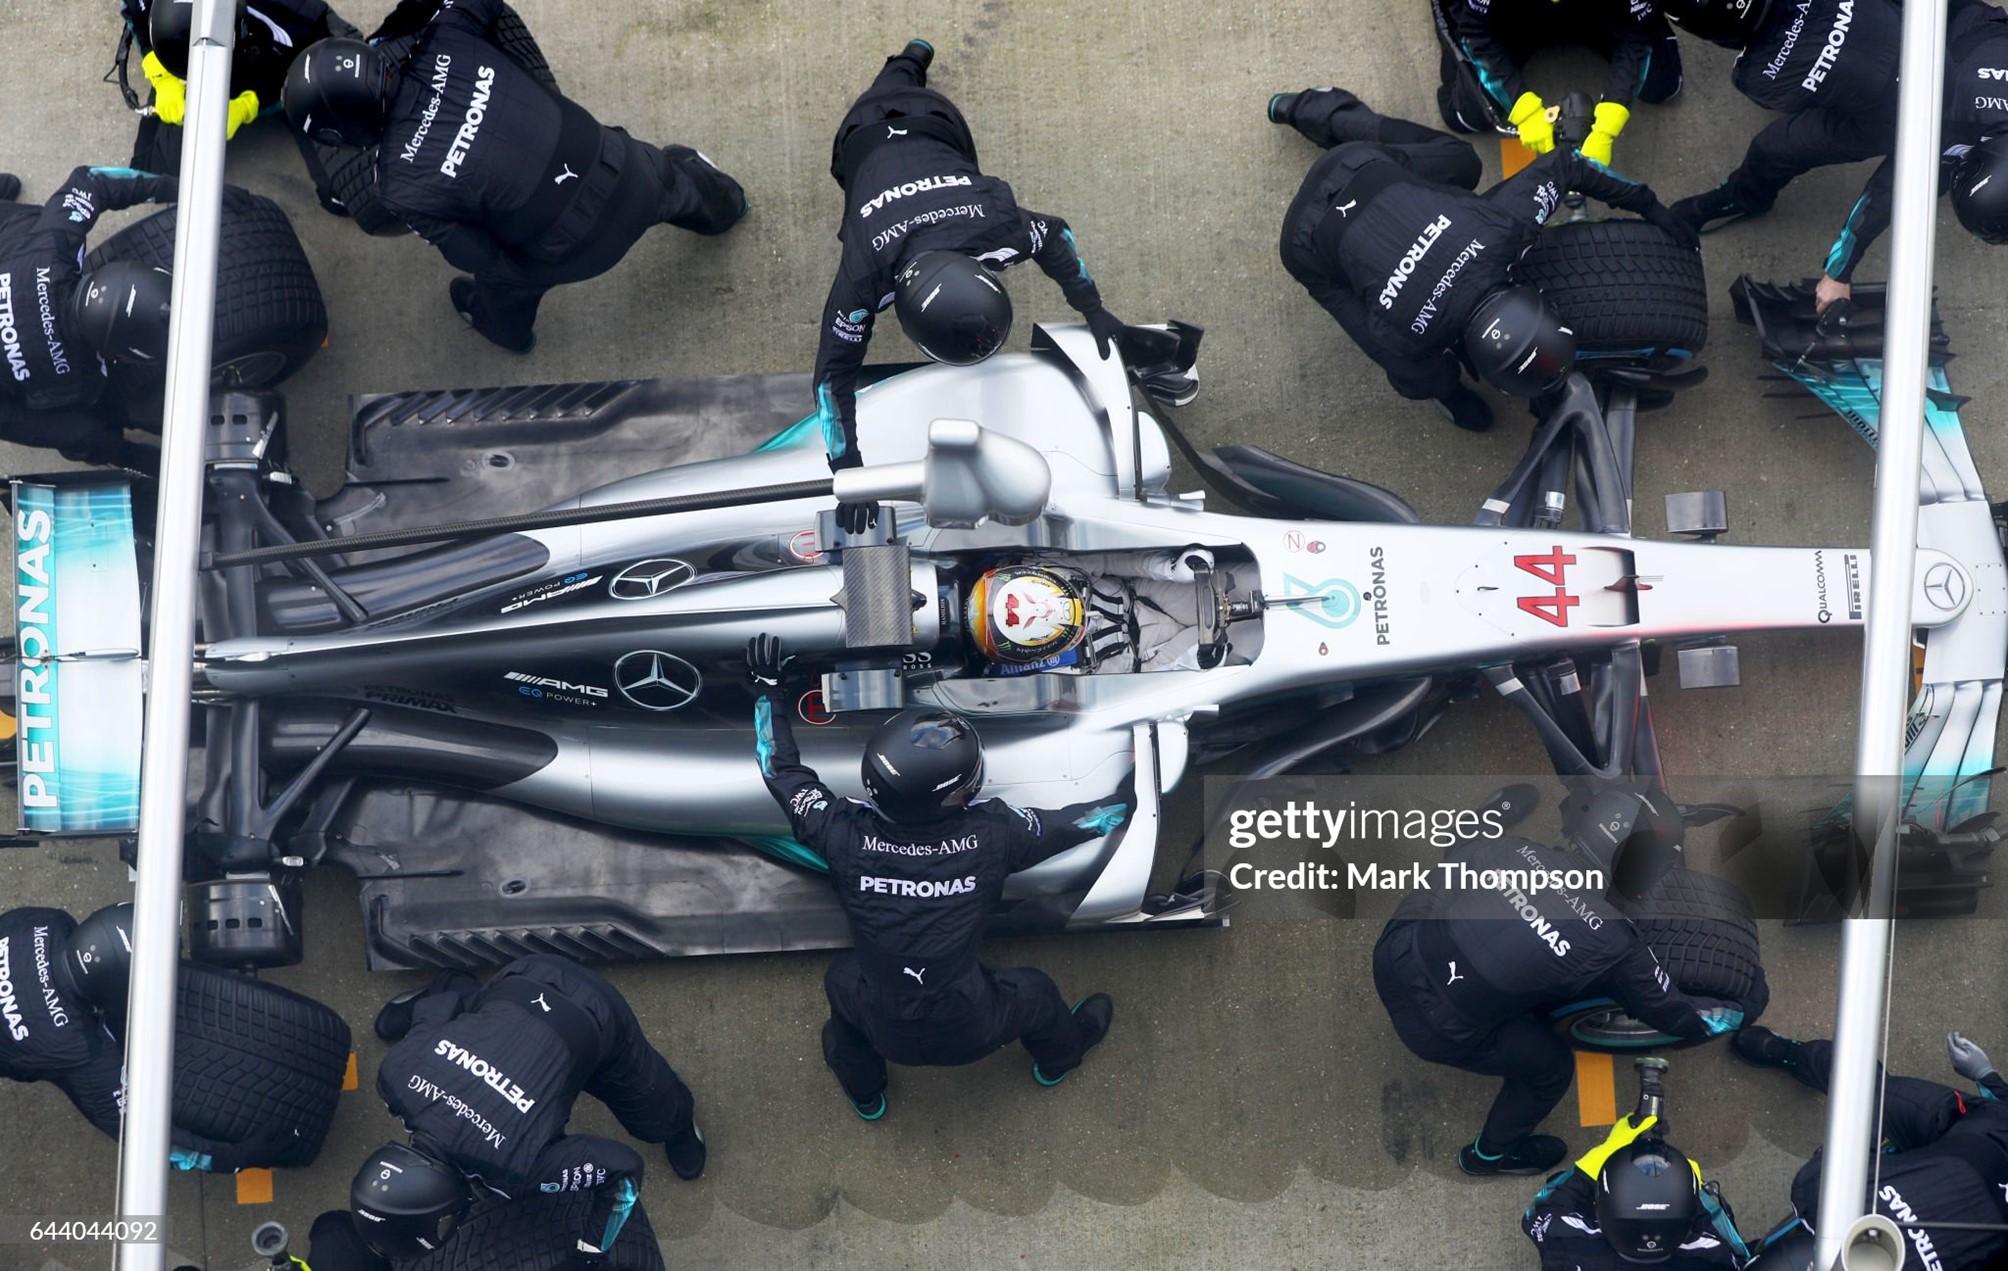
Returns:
<point x="1991" y="103"/>
<point x="477" y="110"/>
<point x="440" y="63"/>
<point x="17" y="1028"/>
<point x="487" y="1073"/>
<point x="1416" y="251"/>
<point x="1993" y="72"/>
<point x="10" y="338"/>
<point x="545" y="681"/>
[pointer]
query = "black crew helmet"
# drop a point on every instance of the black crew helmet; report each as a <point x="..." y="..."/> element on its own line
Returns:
<point x="1980" y="190"/>
<point x="1517" y="343"/>
<point x="953" y="307"/>
<point x="170" y="29"/>
<point x="1634" y="836"/>
<point x="1648" y="1200"/>
<point x="923" y="762"/>
<point x="1733" y="24"/>
<point x="405" y="1203"/>
<point x="338" y="92"/>
<point x="101" y="956"/>
<point x="120" y="310"/>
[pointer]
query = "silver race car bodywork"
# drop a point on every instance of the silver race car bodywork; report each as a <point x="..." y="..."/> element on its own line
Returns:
<point x="593" y="671"/>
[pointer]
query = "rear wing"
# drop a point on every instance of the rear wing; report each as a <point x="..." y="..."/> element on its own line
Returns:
<point x="80" y="680"/>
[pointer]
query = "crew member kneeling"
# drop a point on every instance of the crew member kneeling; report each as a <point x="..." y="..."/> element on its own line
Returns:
<point x="1386" y="234"/>
<point x="1463" y="973"/>
<point x="484" y="1078"/>
<point x="916" y="870"/>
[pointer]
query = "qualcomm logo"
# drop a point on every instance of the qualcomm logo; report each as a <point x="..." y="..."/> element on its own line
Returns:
<point x="649" y="578"/>
<point x="657" y="681"/>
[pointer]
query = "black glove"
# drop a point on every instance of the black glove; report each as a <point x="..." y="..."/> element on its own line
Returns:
<point x="1108" y="329"/>
<point x="856" y="518"/>
<point x="584" y="1259"/>
<point x="1673" y="226"/>
<point x="766" y="665"/>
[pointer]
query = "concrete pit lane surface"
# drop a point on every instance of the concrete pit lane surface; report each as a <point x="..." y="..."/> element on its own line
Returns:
<point x="1252" y="1107"/>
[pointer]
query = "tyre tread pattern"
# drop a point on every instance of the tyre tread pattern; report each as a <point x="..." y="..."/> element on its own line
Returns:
<point x="267" y="298"/>
<point x="537" y="1233"/>
<point x="1621" y="285"/>
<point x="251" y="1057"/>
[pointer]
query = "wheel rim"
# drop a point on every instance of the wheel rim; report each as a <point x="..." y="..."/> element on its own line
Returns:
<point x="250" y="371"/>
<point x="1614" y="1028"/>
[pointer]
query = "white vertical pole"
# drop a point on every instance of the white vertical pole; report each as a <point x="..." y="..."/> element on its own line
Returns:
<point x="149" y="1060"/>
<point x="1854" y="1099"/>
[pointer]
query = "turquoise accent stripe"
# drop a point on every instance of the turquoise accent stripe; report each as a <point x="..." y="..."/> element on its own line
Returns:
<point x="1486" y="80"/>
<point x="763" y="734"/>
<point x="804" y="430"/>
<point x="618" y="1219"/>
<point x="1844" y="246"/>
<point x="1068" y="234"/>
<point x="785" y="849"/>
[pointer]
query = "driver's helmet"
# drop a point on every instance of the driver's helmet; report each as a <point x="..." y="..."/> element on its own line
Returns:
<point x="1648" y="1200"/>
<point x="1020" y="614"/>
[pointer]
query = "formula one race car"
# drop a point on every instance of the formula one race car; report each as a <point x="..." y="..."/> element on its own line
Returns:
<point x="530" y="733"/>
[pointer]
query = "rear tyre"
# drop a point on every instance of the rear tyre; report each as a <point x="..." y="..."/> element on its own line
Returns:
<point x="253" y="1061"/>
<point x="1624" y="286"/>
<point x="537" y="1233"/>
<point x="269" y="315"/>
<point x="1701" y="929"/>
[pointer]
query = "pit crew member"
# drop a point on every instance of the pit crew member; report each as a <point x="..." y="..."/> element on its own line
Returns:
<point x="1486" y="43"/>
<point x="1464" y="972"/>
<point x="520" y="187"/>
<point x="916" y="870"/>
<point x="1387" y="234"/>
<point x="926" y="231"/>
<point x="60" y="982"/>
<point x="1830" y="68"/>
<point x="60" y="327"/>
<point x="1945" y="1151"/>
<point x="484" y="1078"/>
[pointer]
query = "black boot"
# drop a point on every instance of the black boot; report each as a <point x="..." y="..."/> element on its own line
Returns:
<point x="1279" y="107"/>
<point x="1714" y="210"/>
<point x="686" y="1153"/>
<point x="1095" y="1012"/>
<point x="10" y="187"/>
<point x="724" y="198"/>
<point x="1535" y="1154"/>
<point x="1466" y="409"/>
<point x="1758" y="1045"/>
<point x="394" y="1020"/>
<point x="921" y="54"/>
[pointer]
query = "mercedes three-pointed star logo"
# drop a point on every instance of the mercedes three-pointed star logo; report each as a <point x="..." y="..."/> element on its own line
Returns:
<point x="649" y="578"/>
<point x="1944" y="586"/>
<point x="657" y="681"/>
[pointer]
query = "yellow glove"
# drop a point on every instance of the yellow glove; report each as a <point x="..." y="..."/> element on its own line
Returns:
<point x="170" y="98"/>
<point x="243" y="109"/>
<point x="1530" y="116"/>
<point x="1610" y="120"/>
<point x="1592" y="1161"/>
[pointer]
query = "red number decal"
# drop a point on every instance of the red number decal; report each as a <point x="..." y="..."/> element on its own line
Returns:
<point x="1551" y="568"/>
<point x="1554" y="609"/>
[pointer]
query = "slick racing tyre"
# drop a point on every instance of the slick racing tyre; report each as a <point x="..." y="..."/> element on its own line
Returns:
<point x="348" y="175"/>
<point x="537" y="1232"/>
<point x="269" y="314"/>
<point x="253" y="1061"/>
<point x="1623" y="286"/>
<point x="1701" y="929"/>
